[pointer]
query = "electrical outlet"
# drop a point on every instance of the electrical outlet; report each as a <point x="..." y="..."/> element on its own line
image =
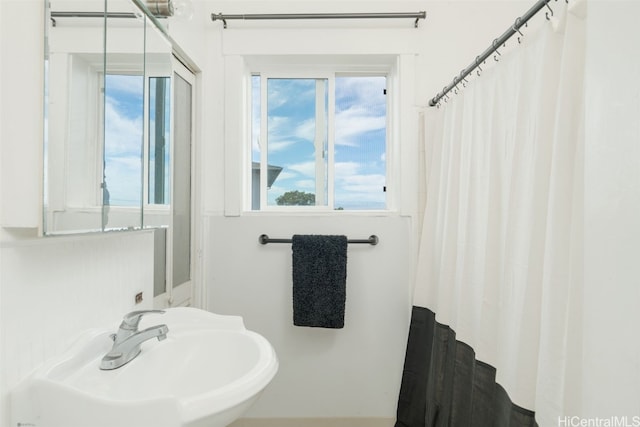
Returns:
<point x="138" y="297"/>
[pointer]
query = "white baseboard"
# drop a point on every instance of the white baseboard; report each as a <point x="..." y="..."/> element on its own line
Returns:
<point x="313" y="422"/>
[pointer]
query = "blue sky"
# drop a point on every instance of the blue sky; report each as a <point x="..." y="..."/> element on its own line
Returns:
<point x="123" y="139"/>
<point x="360" y="138"/>
<point x="360" y="135"/>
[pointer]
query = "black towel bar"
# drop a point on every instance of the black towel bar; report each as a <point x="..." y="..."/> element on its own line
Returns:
<point x="264" y="239"/>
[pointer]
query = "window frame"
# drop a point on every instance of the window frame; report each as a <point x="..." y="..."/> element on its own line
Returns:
<point x="147" y="146"/>
<point x="329" y="72"/>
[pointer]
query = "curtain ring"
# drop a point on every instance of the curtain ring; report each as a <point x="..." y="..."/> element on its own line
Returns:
<point x="516" y="28"/>
<point x="479" y="68"/>
<point x="455" y="85"/>
<point x="550" y="10"/>
<point x="464" y="80"/>
<point x="495" y="43"/>
<point x="444" y="94"/>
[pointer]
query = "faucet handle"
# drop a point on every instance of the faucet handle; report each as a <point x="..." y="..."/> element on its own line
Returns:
<point x="131" y="320"/>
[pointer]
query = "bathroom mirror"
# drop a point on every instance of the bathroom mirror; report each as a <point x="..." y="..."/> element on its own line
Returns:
<point x="106" y="143"/>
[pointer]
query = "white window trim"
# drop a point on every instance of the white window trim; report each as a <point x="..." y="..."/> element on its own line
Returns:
<point x="159" y="207"/>
<point x="155" y="72"/>
<point x="330" y="72"/>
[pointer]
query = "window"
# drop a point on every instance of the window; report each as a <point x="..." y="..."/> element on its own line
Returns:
<point x="319" y="142"/>
<point x="123" y="130"/>
<point x="124" y="111"/>
<point x="159" y="137"/>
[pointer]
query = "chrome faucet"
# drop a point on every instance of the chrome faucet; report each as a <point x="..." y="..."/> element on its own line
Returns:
<point x="126" y="343"/>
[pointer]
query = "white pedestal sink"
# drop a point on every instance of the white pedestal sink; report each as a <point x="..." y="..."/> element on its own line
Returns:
<point x="206" y="373"/>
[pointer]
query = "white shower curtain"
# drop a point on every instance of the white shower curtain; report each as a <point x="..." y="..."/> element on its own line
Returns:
<point x="500" y="258"/>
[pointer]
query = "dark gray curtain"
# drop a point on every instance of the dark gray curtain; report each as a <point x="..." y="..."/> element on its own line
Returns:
<point x="443" y="385"/>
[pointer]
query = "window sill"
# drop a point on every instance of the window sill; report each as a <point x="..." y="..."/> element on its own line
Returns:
<point x="323" y="213"/>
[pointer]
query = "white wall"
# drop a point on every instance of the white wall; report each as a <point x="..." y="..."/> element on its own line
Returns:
<point x="21" y="132"/>
<point x="354" y="372"/>
<point x="611" y="349"/>
<point x="3" y="412"/>
<point x="50" y="289"/>
<point x="53" y="289"/>
<point x="350" y="372"/>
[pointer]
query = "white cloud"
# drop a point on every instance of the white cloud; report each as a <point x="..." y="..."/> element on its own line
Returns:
<point x="307" y="184"/>
<point x="346" y="169"/>
<point x="279" y="125"/>
<point x="123" y="177"/>
<point x="361" y="90"/>
<point x="306" y="130"/>
<point x="284" y="175"/>
<point x="127" y="164"/>
<point x="297" y="94"/>
<point x="361" y="192"/>
<point x="305" y="168"/>
<point x="123" y="153"/>
<point x="281" y="145"/>
<point x="370" y="183"/>
<point x="284" y="131"/>
<point x="128" y="84"/>
<point x="360" y="108"/>
<point x="356" y="188"/>
<point x="286" y="91"/>
<point x="122" y="134"/>
<point x="354" y="122"/>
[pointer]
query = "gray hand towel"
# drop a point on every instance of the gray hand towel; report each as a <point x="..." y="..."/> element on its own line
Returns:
<point x="319" y="280"/>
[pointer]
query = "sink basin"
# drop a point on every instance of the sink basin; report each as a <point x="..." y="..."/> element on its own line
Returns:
<point x="206" y="373"/>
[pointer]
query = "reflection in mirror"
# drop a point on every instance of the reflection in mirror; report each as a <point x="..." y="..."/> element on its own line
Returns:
<point x="73" y="147"/>
<point x="123" y="118"/>
<point x="118" y="131"/>
<point x="123" y="105"/>
<point x="159" y="136"/>
<point x="159" y="129"/>
<point x="107" y="118"/>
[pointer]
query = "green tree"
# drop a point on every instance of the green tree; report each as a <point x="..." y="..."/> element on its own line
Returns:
<point x="296" y="198"/>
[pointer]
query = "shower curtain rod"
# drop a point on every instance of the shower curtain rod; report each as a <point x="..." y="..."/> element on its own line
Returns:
<point x="260" y="16"/>
<point x="55" y="15"/>
<point x="264" y="239"/>
<point x="515" y="28"/>
<point x="93" y="15"/>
